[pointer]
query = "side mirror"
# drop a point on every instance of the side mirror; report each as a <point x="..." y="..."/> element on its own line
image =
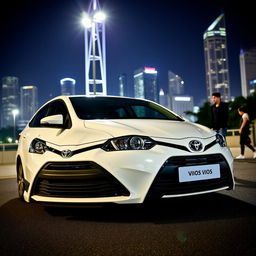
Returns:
<point x="55" y="121"/>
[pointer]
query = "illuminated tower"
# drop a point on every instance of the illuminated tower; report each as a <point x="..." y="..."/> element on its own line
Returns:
<point x="216" y="59"/>
<point x="95" y="50"/>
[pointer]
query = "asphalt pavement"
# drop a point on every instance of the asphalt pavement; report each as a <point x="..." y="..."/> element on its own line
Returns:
<point x="205" y="225"/>
<point x="215" y="224"/>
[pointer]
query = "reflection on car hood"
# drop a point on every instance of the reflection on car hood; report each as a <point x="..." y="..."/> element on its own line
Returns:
<point x="151" y="128"/>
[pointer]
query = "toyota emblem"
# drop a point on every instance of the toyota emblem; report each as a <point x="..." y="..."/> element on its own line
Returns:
<point x="195" y="145"/>
<point x="66" y="153"/>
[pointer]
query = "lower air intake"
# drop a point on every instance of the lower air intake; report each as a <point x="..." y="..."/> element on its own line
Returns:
<point x="77" y="180"/>
<point x="167" y="180"/>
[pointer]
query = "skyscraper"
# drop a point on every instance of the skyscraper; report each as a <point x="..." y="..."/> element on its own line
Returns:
<point x="28" y="103"/>
<point x="67" y="86"/>
<point x="176" y="84"/>
<point x="216" y="59"/>
<point x="164" y="99"/>
<point x="145" y="83"/>
<point x="123" y="90"/>
<point x="182" y="104"/>
<point x="252" y="86"/>
<point x="247" y="70"/>
<point x="10" y="99"/>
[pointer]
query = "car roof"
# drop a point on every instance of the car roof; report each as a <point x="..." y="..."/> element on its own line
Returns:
<point x="64" y="97"/>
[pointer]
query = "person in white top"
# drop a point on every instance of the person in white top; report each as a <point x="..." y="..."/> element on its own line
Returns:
<point x="244" y="132"/>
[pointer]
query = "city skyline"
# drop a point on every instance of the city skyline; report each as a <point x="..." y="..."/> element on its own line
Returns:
<point x="46" y="42"/>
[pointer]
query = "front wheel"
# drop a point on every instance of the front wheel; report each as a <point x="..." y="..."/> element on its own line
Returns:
<point x="21" y="182"/>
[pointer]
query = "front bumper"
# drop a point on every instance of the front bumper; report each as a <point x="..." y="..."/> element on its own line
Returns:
<point x="124" y="176"/>
<point x="166" y="183"/>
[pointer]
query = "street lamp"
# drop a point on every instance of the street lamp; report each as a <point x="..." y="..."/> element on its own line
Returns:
<point x="89" y="22"/>
<point x="15" y="112"/>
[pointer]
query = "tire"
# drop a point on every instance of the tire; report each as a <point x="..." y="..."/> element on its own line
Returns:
<point x="21" y="182"/>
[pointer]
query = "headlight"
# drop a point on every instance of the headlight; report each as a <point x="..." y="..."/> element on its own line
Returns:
<point x="37" y="146"/>
<point x="129" y="143"/>
<point x="220" y="139"/>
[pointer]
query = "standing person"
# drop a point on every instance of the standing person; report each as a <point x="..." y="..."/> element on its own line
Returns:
<point x="244" y="132"/>
<point x="219" y="111"/>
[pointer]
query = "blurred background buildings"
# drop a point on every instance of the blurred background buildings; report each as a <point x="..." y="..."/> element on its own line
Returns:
<point x="19" y="102"/>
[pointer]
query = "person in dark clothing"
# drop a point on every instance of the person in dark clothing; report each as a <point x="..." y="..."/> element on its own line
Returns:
<point x="219" y="111"/>
<point x="244" y="132"/>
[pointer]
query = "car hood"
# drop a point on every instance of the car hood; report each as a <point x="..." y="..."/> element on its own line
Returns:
<point x="151" y="128"/>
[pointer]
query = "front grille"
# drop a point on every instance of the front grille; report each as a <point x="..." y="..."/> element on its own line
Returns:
<point x="76" y="180"/>
<point x="167" y="180"/>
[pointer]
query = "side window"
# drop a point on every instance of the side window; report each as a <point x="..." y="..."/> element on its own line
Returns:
<point x="35" y="122"/>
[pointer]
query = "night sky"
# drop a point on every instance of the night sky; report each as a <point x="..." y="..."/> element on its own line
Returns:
<point x="42" y="41"/>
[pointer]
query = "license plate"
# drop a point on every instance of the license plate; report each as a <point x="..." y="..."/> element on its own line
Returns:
<point x="199" y="172"/>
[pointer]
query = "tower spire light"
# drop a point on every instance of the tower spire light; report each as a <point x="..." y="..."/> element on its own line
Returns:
<point x="95" y="50"/>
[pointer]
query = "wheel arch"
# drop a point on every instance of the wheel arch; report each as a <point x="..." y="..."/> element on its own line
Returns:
<point x="18" y="162"/>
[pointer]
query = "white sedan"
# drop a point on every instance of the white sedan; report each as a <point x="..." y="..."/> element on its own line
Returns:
<point x="99" y="149"/>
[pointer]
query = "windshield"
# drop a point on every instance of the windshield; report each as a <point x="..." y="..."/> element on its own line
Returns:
<point x="119" y="108"/>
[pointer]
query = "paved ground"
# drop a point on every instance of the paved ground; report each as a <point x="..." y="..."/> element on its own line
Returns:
<point x="205" y="225"/>
<point x="216" y="224"/>
<point x="236" y="152"/>
<point x="7" y="171"/>
<point x="245" y="179"/>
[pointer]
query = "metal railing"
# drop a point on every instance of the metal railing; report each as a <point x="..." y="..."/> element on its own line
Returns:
<point x="9" y="147"/>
